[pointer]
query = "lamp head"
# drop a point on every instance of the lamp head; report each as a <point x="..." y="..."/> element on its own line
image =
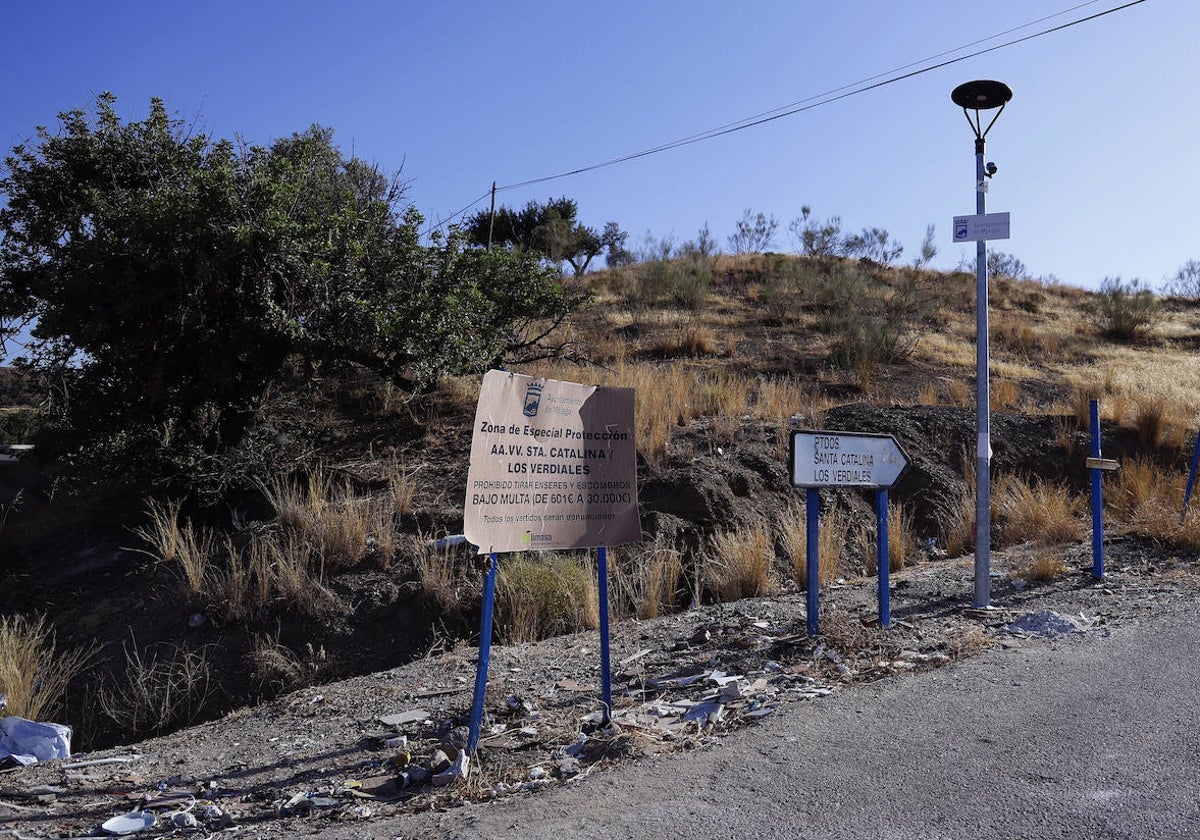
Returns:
<point x="981" y="95"/>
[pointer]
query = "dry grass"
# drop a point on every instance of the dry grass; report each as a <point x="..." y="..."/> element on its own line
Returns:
<point x="959" y="535"/>
<point x="34" y="672"/>
<point x="280" y="667"/>
<point x="961" y="393"/>
<point x="1146" y="500"/>
<point x="446" y="579"/>
<point x="739" y="563"/>
<point x="543" y="596"/>
<point x="646" y="579"/>
<point x="1003" y="394"/>
<point x="1036" y="512"/>
<point x="832" y="532"/>
<point x="179" y="544"/>
<point x="157" y="693"/>
<point x="902" y="541"/>
<point x="1045" y="565"/>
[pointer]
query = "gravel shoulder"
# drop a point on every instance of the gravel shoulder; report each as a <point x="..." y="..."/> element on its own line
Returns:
<point x="317" y="762"/>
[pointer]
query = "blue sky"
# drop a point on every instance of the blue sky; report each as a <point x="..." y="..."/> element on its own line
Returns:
<point x="1095" y="151"/>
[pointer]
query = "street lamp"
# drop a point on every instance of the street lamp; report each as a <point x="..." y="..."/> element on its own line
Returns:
<point x="977" y="96"/>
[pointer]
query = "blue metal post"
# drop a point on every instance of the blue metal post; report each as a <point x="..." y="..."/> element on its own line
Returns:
<point x="485" y="649"/>
<point x="883" y="558"/>
<point x="1187" y="493"/>
<point x="1097" y="500"/>
<point x="812" y="511"/>
<point x="605" y="664"/>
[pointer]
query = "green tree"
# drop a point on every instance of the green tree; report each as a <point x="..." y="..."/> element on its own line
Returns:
<point x="173" y="279"/>
<point x="552" y="230"/>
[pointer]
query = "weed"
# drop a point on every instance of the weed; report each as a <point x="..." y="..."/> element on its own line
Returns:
<point x="157" y="693"/>
<point x="1045" y="565"/>
<point x="647" y="584"/>
<point x="1038" y="512"/>
<point x="739" y="563"/>
<point x="832" y="531"/>
<point x="1124" y="310"/>
<point x="34" y="673"/>
<point x="544" y="596"/>
<point x="280" y="667"/>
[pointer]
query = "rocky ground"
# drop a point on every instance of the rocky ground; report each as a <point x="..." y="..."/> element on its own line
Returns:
<point x="369" y="749"/>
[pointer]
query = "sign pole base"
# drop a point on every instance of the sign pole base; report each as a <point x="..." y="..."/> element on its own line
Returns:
<point x="605" y="661"/>
<point x="485" y="649"/>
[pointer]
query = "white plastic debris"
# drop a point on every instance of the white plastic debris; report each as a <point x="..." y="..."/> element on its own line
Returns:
<point x="459" y="769"/>
<point x="28" y="742"/>
<point x="130" y="823"/>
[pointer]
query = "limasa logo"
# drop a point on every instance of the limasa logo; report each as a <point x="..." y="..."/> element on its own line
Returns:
<point x="528" y="538"/>
<point x="533" y="398"/>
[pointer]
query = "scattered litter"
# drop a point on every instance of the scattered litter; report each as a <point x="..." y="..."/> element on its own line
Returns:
<point x="130" y="823"/>
<point x="402" y="718"/>
<point x="459" y="769"/>
<point x="184" y="819"/>
<point x="116" y="759"/>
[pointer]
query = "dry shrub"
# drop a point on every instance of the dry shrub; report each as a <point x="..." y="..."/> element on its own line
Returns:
<point x="279" y="666"/>
<point x="184" y="545"/>
<point x="446" y="579"/>
<point x="928" y="394"/>
<point x="739" y="563"/>
<point x="1002" y="394"/>
<point x="647" y="583"/>
<point x="34" y="673"/>
<point x="157" y="693"/>
<point x="1045" y="565"/>
<point x="1146" y="500"/>
<point x="832" y="531"/>
<point x="544" y="596"/>
<point x="1150" y="419"/>
<point x="1036" y="512"/>
<point x="902" y="541"/>
<point x="960" y="392"/>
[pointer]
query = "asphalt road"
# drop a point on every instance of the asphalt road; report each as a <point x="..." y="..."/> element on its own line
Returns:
<point x="1089" y="736"/>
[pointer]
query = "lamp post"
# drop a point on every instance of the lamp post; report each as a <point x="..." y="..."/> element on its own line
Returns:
<point x="978" y="96"/>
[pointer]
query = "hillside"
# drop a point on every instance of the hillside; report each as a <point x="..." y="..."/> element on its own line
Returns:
<point x="188" y="613"/>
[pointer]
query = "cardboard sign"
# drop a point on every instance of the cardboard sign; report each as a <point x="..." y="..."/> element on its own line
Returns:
<point x="553" y="466"/>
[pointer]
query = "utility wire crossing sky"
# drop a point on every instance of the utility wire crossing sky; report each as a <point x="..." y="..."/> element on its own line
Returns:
<point x="1094" y="151"/>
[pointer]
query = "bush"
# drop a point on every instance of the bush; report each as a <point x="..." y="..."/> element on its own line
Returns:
<point x="544" y="596"/>
<point x="34" y="674"/>
<point x="1124" y="310"/>
<point x="754" y="233"/>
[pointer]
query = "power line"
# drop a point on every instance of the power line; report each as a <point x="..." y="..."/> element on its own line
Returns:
<point x="829" y="97"/>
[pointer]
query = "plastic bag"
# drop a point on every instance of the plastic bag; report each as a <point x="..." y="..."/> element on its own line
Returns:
<point x="28" y="742"/>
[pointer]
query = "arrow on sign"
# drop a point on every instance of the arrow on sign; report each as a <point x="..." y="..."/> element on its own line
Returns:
<point x="842" y="459"/>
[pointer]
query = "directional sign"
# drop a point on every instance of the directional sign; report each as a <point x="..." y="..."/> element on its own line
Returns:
<point x="845" y="459"/>
<point x="981" y="227"/>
